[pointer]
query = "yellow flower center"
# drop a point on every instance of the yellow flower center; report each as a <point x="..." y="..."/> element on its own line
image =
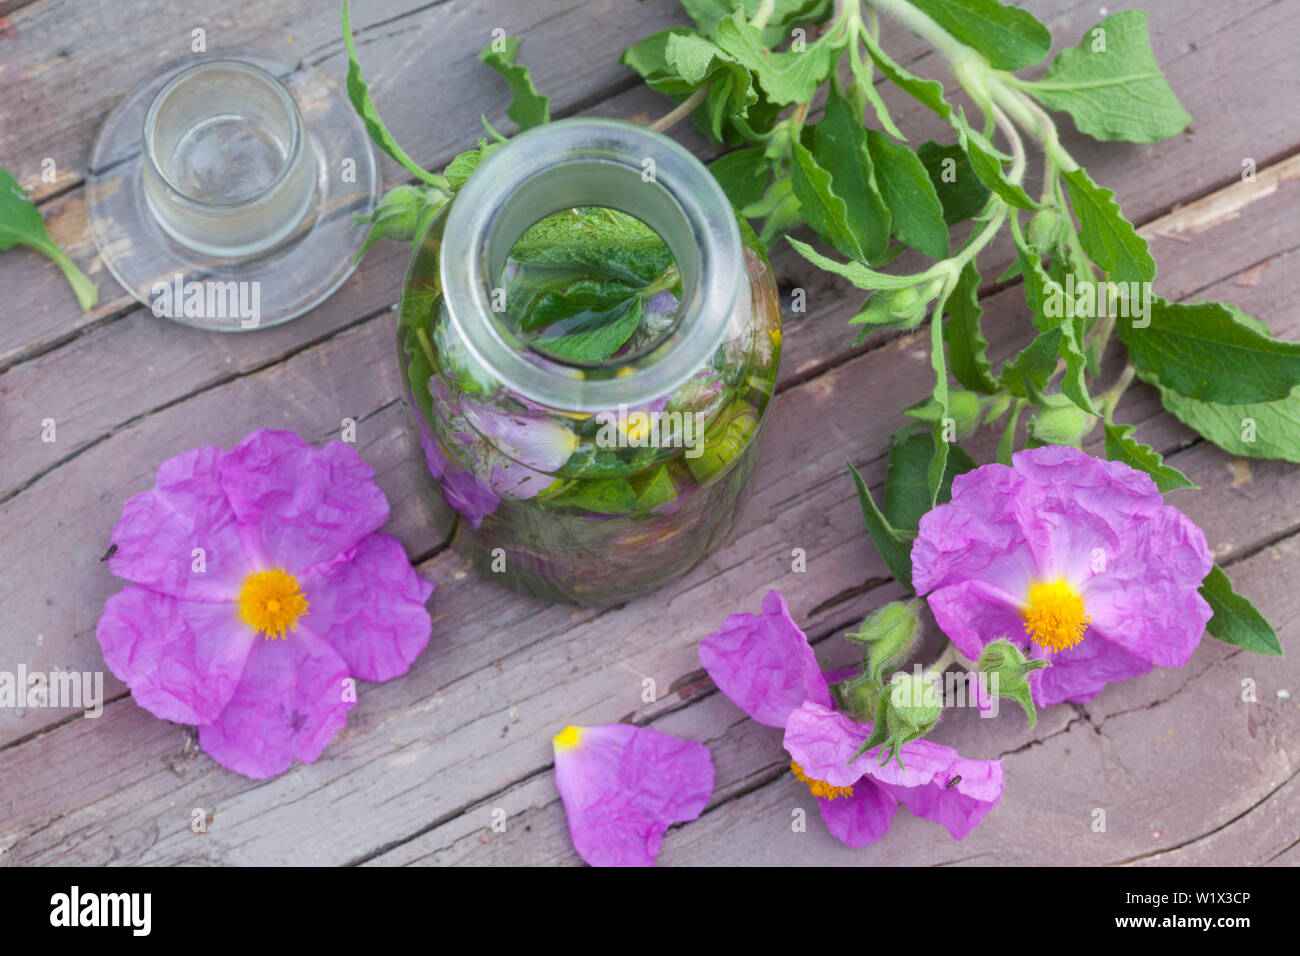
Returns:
<point x="1055" y="617"/>
<point x="271" y="602"/>
<point x="568" y="738"/>
<point x="818" y="788"/>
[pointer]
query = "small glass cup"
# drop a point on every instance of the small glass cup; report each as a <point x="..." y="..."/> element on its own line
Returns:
<point x="227" y="168"/>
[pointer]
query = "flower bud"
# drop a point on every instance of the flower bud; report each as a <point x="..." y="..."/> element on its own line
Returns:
<point x="858" y="696"/>
<point x="914" y="702"/>
<point x="906" y="307"/>
<point x="401" y="213"/>
<point x="888" y="635"/>
<point x="906" y="711"/>
<point x="1044" y="231"/>
<point x="964" y="409"/>
<point x="1005" y="670"/>
<point x="1061" y="422"/>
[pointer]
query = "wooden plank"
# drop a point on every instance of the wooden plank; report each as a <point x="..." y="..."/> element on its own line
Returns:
<point x="477" y="711"/>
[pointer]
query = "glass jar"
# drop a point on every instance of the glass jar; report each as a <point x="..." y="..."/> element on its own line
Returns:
<point x="566" y="476"/>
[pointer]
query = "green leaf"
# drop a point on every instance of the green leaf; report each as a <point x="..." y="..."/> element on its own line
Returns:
<point x="1009" y="38"/>
<point x="742" y="174"/>
<point x="1007" y="443"/>
<point x="359" y="94"/>
<point x="657" y="491"/>
<point x="1035" y="363"/>
<point x="608" y="496"/>
<point x="986" y="161"/>
<point x="1261" y="430"/>
<point x="907" y="485"/>
<point x="459" y="169"/>
<point x="528" y="108"/>
<point x="860" y="275"/>
<point x="1116" y="92"/>
<point x="895" y="546"/>
<point x="1036" y="280"/>
<point x="1236" y="620"/>
<point x="1109" y="239"/>
<point x="599" y="342"/>
<point x="786" y="15"/>
<point x="959" y="189"/>
<point x="650" y="59"/>
<point x="927" y="92"/>
<point x="21" y="223"/>
<point x="1202" y="351"/>
<point x="819" y="204"/>
<point x="1122" y="446"/>
<point x="786" y="78"/>
<point x="914" y="207"/>
<point x="939" y="461"/>
<point x="840" y="146"/>
<point x="967" y="347"/>
<point x="697" y="61"/>
<point x="864" y="88"/>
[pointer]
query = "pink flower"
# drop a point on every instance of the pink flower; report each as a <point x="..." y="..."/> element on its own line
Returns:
<point x="765" y="665"/>
<point x="1074" y="559"/>
<point x="259" y="590"/>
<point x="858" y="797"/>
<point x="623" y="786"/>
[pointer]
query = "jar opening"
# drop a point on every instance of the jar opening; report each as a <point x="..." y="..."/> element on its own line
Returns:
<point x="591" y="287"/>
<point x="582" y="164"/>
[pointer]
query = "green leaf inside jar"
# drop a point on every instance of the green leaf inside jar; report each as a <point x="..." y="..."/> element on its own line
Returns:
<point x="577" y="283"/>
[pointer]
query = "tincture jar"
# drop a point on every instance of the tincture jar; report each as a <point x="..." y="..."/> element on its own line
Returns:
<point x="589" y="337"/>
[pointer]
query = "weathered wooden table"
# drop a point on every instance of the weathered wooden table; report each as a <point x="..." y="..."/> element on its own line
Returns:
<point x="1186" y="770"/>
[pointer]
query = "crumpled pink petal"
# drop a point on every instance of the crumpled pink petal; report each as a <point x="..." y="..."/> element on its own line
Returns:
<point x="970" y="611"/>
<point x="823" y="742"/>
<point x="1079" y="673"/>
<point x="298" y="505"/>
<point x="764" y="664"/>
<point x="862" y="817"/>
<point x="536" y="441"/>
<point x="181" y="659"/>
<point x="623" y="786"/>
<point x="464" y="493"/>
<point x="291" y="700"/>
<point x="370" y="608"/>
<point x="1153" y="584"/>
<point x="187" y="509"/>
<point x="940" y="784"/>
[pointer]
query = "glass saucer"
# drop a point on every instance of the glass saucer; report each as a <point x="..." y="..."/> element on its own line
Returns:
<point x="276" y="283"/>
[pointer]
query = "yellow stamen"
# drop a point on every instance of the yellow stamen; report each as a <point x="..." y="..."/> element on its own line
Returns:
<point x="1055" y="617"/>
<point x="271" y="602"/>
<point x="818" y="788"/>
<point x="568" y="738"/>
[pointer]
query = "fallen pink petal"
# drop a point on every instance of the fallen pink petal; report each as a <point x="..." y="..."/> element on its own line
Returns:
<point x="624" y="786"/>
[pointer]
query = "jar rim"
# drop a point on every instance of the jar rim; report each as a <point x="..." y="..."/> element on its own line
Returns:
<point x="552" y="167"/>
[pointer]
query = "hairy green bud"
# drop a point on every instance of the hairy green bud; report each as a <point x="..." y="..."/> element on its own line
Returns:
<point x="1061" y="422"/>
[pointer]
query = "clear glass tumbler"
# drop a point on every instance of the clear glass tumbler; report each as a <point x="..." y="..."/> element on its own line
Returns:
<point x="562" y="471"/>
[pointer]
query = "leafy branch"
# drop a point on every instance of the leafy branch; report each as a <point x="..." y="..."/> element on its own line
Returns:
<point x="869" y="195"/>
